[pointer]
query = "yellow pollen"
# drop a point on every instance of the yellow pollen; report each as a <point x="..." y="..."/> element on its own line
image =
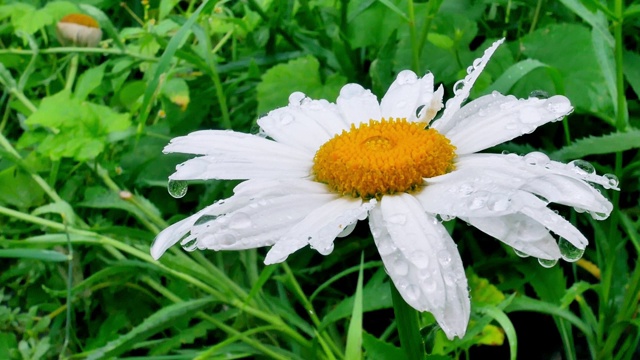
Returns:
<point x="382" y="157"/>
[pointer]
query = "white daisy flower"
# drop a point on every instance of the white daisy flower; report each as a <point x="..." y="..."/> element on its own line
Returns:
<point x="324" y="166"/>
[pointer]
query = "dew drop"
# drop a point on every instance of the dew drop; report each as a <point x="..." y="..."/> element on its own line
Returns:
<point x="177" y="188"/>
<point x="612" y="181"/>
<point x="400" y="267"/>
<point x="429" y="284"/>
<point x="286" y="119"/>
<point x="227" y="239"/>
<point x="419" y="259"/>
<point x="398" y="219"/>
<point x="559" y="105"/>
<point x="295" y="99"/>
<point x="239" y="220"/>
<point x="412" y="293"/>
<point x="498" y="202"/>
<point x="539" y="94"/>
<point x="444" y="257"/>
<point x="470" y="70"/>
<point x="406" y="77"/>
<point x="189" y="243"/>
<point x="582" y="167"/>
<point x="548" y="263"/>
<point x="351" y="90"/>
<point x="386" y="247"/>
<point x="598" y="215"/>
<point x="477" y="63"/>
<point x="204" y="219"/>
<point x="458" y="86"/>
<point x="568" y="251"/>
<point x="536" y="158"/>
<point x="521" y="254"/>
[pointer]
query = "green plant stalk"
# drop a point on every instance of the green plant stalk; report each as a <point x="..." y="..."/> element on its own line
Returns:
<point x="310" y="310"/>
<point x="66" y="50"/>
<point x="71" y="74"/>
<point x="407" y="319"/>
<point x="415" y="49"/>
<point x="235" y="334"/>
<point x="106" y="241"/>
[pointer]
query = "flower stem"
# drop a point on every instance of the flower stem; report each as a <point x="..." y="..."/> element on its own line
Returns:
<point x="408" y="326"/>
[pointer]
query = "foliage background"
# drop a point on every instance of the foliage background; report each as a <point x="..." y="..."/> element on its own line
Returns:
<point x="83" y="179"/>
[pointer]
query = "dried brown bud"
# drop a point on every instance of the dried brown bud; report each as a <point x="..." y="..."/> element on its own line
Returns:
<point x="78" y="30"/>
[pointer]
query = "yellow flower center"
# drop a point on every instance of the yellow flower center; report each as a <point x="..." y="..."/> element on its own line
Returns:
<point x="382" y="157"/>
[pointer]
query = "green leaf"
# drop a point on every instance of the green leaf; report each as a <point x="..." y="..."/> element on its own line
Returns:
<point x="594" y="145"/>
<point x="301" y="74"/>
<point x="408" y="326"/>
<point x="354" y="334"/>
<point x="155" y="323"/>
<point x="582" y="76"/>
<point x="482" y="292"/>
<point x="513" y="74"/>
<point x="61" y="208"/>
<point x="632" y="70"/>
<point x="377" y="349"/>
<point x="177" y="91"/>
<point x="506" y="325"/>
<point x="19" y="189"/>
<point x="89" y="81"/>
<point x="372" y="22"/>
<point x="490" y="335"/>
<point x="37" y="254"/>
<point x="441" y="41"/>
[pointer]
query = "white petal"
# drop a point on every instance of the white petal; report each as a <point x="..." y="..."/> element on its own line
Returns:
<point x="538" y="211"/>
<point x="423" y="261"/>
<point x="304" y="123"/>
<point x="521" y="233"/>
<point x="358" y="105"/>
<point x="260" y="223"/>
<point x="411" y="98"/>
<point x="232" y="155"/>
<point x="557" y="182"/>
<point x="321" y="225"/>
<point x="462" y="88"/>
<point x="251" y="166"/>
<point x="494" y="119"/>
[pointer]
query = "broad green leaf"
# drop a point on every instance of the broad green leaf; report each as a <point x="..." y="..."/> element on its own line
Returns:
<point x="19" y="189"/>
<point x="441" y="41"/>
<point x="372" y="22"/>
<point x="513" y="74"/>
<point x="605" y="144"/>
<point x="632" y="70"/>
<point x="584" y="83"/>
<point x="490" y="335"/>
<point x="301" y="74"/>
<point x="37" y="254"/>
<point x="150" y="326"/>
<point x="376" y="349"/>
<point x="61" y="208"/>
<point x="89" y="81"/>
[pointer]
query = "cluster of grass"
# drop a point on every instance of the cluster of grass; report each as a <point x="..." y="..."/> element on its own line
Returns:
<point x="83" y="179"/>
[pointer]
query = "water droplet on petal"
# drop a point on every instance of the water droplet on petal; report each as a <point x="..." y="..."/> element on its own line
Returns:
<point x="536" y="158"/>
<point x="386" y="247"/>
<point x="498" y="202"/>
<point x="406" y="77"/>
<point x="548" y="263"/>
<point x="204" y="219"/>
<point x="477" y="63"/>
<point x="568" y="251"/>
<point x="412" y="293"/>
<point x="444" y="257"/>
<point x="226" y="239"/>
<point x="177" y="188"/>
<point x="189" y="242"/>
<point x="285" y="119"/>
<point x="295" y="99"/>
<point x="612" y="181"/>
<point x="398" y="219"/>
<point x="582" y="167"/>
<point x="470" y="69"/>
<point x="239" y="220"/>
<point x="400" y="267"/>
<point x="419" y="259"/>
<point x="522" y="254"/>
<point x="351" y="90"/>
<point x="598" y="215"/>
<point x="458" y="86"/>
<point x="539" y="94"/>
<point x="559" y="105"/>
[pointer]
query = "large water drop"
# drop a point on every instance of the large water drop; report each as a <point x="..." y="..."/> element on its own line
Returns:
<point x="548" y="263"/>
<point x="177" y="188"/>
<point x="568" y="251"/>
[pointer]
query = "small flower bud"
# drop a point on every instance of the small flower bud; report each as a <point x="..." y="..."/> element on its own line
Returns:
<point x="78" y="30"/>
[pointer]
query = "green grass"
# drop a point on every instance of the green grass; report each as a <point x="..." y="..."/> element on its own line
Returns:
<point x="83" y="181"/>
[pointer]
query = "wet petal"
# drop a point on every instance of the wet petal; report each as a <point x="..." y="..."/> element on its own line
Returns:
<point x="422" y="260"/>
<point x="231" y="155"/>
<point x="494" y="119"/>
<point x="462" y="88"/>
<point x="358" y="105"/>
<point x="304" y="123"/>
<point x="412" y="98"/>
<point x="520" y="232"/>
<point x="322" y="225"/>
